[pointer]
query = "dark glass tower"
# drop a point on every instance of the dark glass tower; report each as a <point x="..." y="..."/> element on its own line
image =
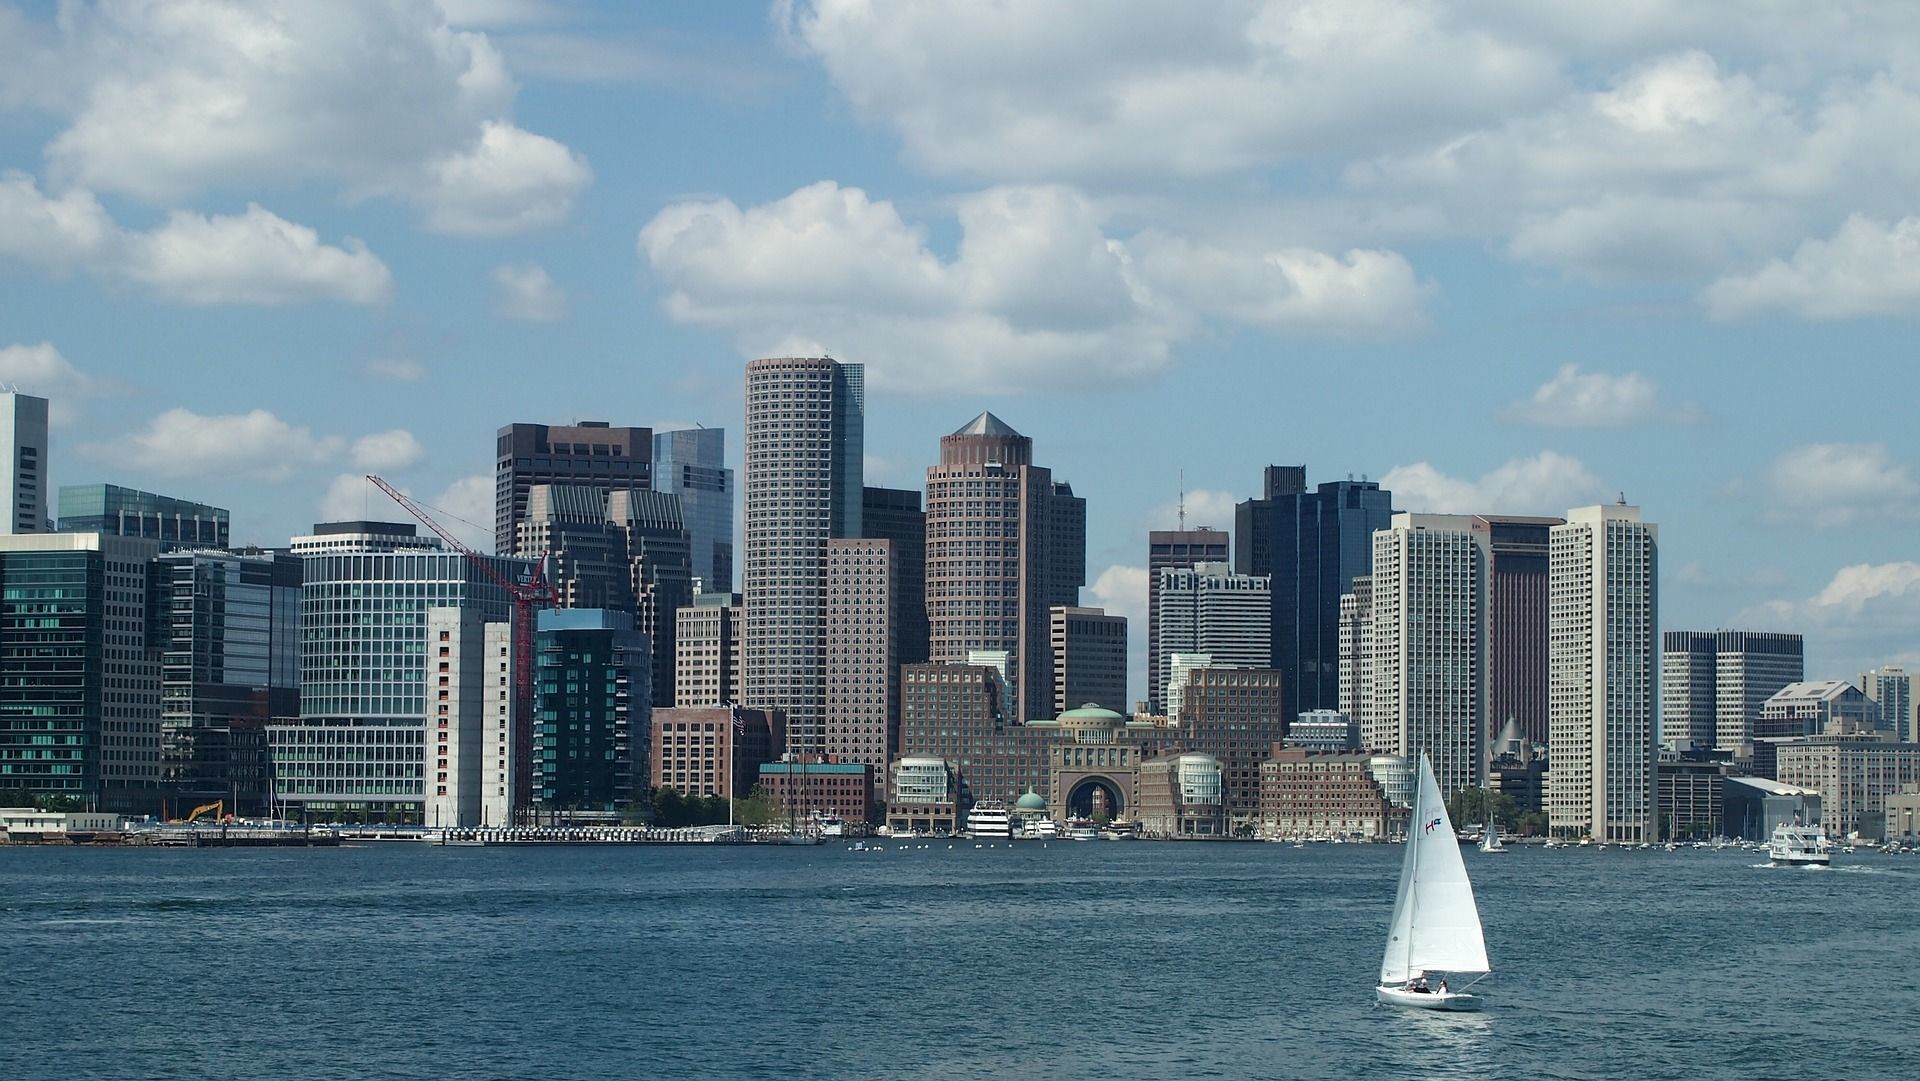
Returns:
<point x="1312" y="545"/>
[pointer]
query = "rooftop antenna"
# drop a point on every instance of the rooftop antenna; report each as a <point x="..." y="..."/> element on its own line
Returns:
<point x="1183" y="500"/>
<point x="1622" y="500"/>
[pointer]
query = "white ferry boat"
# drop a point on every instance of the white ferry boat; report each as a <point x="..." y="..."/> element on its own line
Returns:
<point x="1042" y="829"/>
<point x="989" y="821"/>
<point x="1793" y="844"/>
<point x="830" y="826"/>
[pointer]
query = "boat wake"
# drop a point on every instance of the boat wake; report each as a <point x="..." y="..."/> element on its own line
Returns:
<point x="1792" y="866"/>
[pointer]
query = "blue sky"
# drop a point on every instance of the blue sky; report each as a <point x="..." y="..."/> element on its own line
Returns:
<point x="1507" y="257"/>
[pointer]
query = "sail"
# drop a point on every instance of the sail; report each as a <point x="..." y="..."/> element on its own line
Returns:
<point x="1436" y="926"/>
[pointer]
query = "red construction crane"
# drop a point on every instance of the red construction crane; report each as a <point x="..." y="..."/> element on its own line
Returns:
<point x="526" y="597"/>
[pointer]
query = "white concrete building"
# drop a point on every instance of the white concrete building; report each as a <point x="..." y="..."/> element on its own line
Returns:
<point x="1356" y="657"/>
<point x="23" y="453"/>
<point x="1603" y="674"/>
<point x="470" y="738"/>
<point x="1207" y="608"/>
<point x="1427" y="679"/>
<point x="1824" y="707"/>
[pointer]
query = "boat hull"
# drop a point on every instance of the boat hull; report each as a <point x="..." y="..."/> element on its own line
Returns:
<point x="1800" y="859"/>
<point x="1456" y="1001"/>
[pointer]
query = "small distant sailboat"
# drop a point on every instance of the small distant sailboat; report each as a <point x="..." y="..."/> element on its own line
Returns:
<point x="1436" y="926"/>
<point x="1490" y="841"/>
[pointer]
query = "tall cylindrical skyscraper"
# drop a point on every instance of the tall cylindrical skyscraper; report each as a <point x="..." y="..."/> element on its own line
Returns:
<point x="805" y="420"/>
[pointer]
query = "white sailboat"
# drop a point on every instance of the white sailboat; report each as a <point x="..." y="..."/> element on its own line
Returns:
<point x="1436" y="926"/>
<point x="1490" y="840"/>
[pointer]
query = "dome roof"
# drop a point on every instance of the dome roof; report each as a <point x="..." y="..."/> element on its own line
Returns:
<point x="1032" y="801"/>
<point x="1091" y="714"/>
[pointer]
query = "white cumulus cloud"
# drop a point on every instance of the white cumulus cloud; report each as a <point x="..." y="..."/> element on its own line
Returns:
<point x="527" y="292"/>
<point x="1831" y="485"/>
<point x="1039" y="292"/>
<point x="1868" y="268"/>
<point x="1547" y="483"/>
<point x="257" y="444"/>
<point x="1866" y="615"/>
<point x="383" y="451"/>
<point x="1579" y="399"/>
<point x="1084" y="91"/>
<point x="254" y="258"/>
<point x="164" y="101"/>
<point x="41" y="370"/>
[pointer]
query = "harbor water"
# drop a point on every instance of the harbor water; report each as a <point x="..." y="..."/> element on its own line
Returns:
<point x="1088" y="960"/>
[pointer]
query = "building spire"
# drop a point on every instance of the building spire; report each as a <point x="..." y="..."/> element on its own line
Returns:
<point x="1183" y="500"/>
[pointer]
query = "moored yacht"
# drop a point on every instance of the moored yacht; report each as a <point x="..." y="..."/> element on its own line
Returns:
<point x="989" y="821"/>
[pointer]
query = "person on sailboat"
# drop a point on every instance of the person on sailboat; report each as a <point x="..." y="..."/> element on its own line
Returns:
<point x="1443" y="985"/>
<point x="1418" y="983"/>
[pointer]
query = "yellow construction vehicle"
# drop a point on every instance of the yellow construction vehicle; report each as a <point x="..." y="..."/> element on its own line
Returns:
<point x="218" y="807"/>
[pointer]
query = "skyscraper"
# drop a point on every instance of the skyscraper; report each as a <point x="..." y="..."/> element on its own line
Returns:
<point x="591" y="453"/>
<point x="80" y="701"/>
<point x="1173" y="548"/>
<point x="805" y="442"/>
<point x="1089" y="659"/>
<point x="894" y="514"/>
<point x="1356" y="661"/>
<point x="23" y="453"/>
<point x="1207" y="608"/>
<point x="1890" y="689"/>
<point x="1603" y="674"/>
<point x="1311" y="545"/>
<point x="1713" y="683"/>
<point x="996" y="527"/>
<point x="1429" y="639"/>
<point x="864" y="605"/>
<point x="692" y="465"/>
<point x="1517" y="579"/>
<point x="622" y="549"/>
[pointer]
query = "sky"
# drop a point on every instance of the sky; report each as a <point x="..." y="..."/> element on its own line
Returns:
<point x="1502" y="257"/>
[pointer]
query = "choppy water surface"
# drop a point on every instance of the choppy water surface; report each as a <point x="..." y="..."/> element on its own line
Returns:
<point x="1088" y="960"/>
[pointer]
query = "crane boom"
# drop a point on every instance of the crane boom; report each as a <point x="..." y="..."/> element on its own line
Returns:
<point x="406" y="502"/>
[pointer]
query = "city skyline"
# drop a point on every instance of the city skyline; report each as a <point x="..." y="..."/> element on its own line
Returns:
<point x="1579" y="267"/>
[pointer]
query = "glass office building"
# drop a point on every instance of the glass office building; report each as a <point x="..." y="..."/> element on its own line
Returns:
<point x="128" y="512"/>
<point x="357" y="748"/>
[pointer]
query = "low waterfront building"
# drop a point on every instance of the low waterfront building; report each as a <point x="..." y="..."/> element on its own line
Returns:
<point x="1903" y="815"/>
<point x="1180" y="795"/>
<point x="714" y="750"/>
<point x="1853" y="775"/>
<point x="26" y="825"/>
<point x="1093" y="772"/>
<point x="1233" y="714"/>
<point x="1751" y="806"/>
<point x="1687" y="794"/>
<point x="810" y="787"/>
<point x="1304" y="794"/>
<point x="925" y="798"/>
<point x="1394" y="773"/>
